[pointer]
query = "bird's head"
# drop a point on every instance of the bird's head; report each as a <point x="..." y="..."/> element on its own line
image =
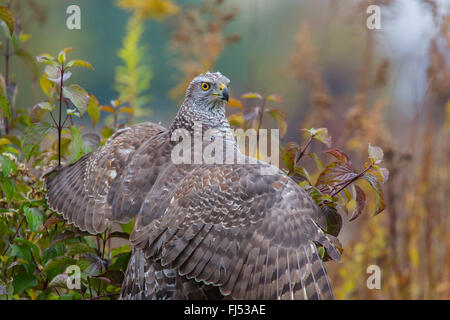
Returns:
<point x="208" y="91"/>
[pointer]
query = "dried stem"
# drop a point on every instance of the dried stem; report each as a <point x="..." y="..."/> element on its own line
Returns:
<point x="61" y="86"/>
<point x="302" y="152"/>
<point x="349" y="182"/>
<point x="7" y="55"/>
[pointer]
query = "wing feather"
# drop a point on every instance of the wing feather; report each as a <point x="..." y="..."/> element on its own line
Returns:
<point x="79" y="191"/>
<point x="259" y="242"/>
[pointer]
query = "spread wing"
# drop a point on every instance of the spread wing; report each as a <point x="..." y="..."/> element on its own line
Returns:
<point x="253" y="235"/>
<point x="79" y="191"/>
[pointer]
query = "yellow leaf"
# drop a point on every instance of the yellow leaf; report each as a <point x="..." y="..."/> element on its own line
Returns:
<point x="107" y="109"/>
<point x="234" y="103"/>
<point x="79" y="63"/>
<point x="127" y="110"/>
<point x="276" y="98"/>
<point x="4" y="141"/>
<point x="46" y="86"/>
<point x="236" y="120"/>
<point x="8" y="17"/>
<point x="148" y="9"/>
<point x="249" y="95"/>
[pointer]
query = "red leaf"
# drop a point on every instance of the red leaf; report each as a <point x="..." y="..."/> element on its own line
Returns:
<point x="360" y="203"/>
<point x="340" y="155"/>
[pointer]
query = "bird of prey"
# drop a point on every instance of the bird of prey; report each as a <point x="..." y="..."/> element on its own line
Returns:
<point x="202" y="230"/>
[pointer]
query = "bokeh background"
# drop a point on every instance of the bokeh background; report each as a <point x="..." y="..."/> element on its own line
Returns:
<point x="388" y="87"/>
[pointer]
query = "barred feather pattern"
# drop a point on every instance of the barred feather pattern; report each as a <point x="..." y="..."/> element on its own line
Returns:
<point x="263" y="247"/>
<point x="202" y="231"/>
<point x="79" y="191"/>
<point x="149" y="280"/>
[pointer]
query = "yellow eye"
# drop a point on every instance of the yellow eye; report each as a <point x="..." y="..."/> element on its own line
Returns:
<point x="205" y="86"/>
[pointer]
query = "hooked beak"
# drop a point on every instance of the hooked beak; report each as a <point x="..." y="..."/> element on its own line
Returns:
<point x="223" y="92"/>
<point x="225" y="96"/>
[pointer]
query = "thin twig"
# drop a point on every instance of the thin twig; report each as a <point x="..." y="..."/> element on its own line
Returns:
<point x="350" y="181"/>
<point x="61" y="84"/>
<point x="5" y="119"/>
<point x="14" y="236"/>
<point x="302" y="153"/>
<point x="89" y="286"/>
<point x="261" y="115"/>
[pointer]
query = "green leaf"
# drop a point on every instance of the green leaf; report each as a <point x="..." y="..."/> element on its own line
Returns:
<point x="8" y="187"/>
<point x="23" y="281"/>
<point x="280" y="118"/>
<point x="128" y="227"/>
<point x="53" y="252"/>
<point x="45" y="105"/>
<point x="62" y="55"/>
<point x="8" y="18"/>
<point x="59" y="281"/>
<point x="118" y="234"/>
<point x="322" y="136"/>
<point x="302" y="173"/>
<point x="34" y="249"/>
<point x="78" y="146"/>
<point x="73" y="112"/>
<point x="79" y="63"/>
<point x="78" y="96"/>
<point x="34" y="218"/>
<point x="20" y="251"/>
<point x="33" y="136"/>
<point x="47" y="86"/>
<point x="289" y="153"/>
<point x="47" y="59"/>
<point x="321" y="252"/>
<point x="5" y="107"/>
<point x="317" y="161"/>
<point x="121" y="261"/>
<point x="24" y="37"/>
<point x="379" y="199"/>
<point x="77" y="248"/>
<point x="333" y="218"/>
<point x="58" y="265"/>
<point x="93" y="110"/>
<point x="7" y="165"/>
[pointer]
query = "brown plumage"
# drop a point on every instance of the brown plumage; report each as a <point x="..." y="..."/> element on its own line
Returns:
<point x="202" y="231"/>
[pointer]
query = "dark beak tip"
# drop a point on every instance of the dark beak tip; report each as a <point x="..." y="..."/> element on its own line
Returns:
<point x="225" y="95"/>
